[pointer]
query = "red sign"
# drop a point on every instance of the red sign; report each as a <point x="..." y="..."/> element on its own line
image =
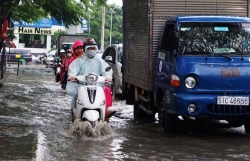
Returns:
<point x="4" y="30"/>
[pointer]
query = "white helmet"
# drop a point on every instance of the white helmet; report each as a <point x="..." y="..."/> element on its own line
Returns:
<point x="62" y="51"/>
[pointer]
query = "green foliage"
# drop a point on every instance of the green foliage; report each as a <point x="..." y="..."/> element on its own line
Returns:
<point x="68" y="11"/>
<point x="54" y="37"/>
<point x="11" y="35"/>
<point x="95" y="21"/>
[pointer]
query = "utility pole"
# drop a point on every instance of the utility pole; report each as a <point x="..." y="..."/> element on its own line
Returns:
<point x="111" y="19"/>
<point x="102" y="32"/>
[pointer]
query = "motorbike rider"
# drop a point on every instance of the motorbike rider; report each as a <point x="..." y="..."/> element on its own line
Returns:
<point x="88" y="63"/>
<point x="64" y="68"/>
<point x="58" y="60"/>
<point x="43" y="58"/>
<point x="77" y="53"/>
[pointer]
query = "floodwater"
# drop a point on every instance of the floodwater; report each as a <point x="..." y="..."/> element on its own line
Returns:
<point x="35" y="124"/>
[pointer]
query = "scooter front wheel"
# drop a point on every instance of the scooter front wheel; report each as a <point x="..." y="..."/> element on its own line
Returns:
<point x="93" y="123"/>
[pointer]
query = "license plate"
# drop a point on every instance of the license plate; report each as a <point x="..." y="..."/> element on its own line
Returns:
<point x="230" y="100"/>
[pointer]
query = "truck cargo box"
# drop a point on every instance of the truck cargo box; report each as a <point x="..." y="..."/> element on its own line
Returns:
<point x="65" y="41"/>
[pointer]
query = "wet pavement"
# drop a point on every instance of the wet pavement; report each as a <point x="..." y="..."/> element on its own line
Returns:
<point x="35" y="124"/>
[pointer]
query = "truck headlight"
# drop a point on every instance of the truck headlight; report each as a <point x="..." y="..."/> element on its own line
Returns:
<point x="190" y="82"/>
<point x="192" y="108"/>
<point x="91" y="78"/>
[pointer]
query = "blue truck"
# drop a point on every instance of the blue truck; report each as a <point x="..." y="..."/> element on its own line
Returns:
<point x="186" y="66"/>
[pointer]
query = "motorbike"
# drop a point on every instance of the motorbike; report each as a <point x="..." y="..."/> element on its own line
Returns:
<point x="38" y="61"/>
<point x="91" y="101"/>
<point x="57" y="74"/>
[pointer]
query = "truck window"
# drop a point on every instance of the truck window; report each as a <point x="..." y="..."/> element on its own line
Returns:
<point x="67" y="46"/>
<point x="168" y="38"/>
<point x="201" y="38"/>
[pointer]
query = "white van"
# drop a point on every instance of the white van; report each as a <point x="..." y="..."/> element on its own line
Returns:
<point x="113" y="56"/>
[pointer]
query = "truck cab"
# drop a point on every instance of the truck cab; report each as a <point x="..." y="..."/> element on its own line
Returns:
<point x="202" y="70"/>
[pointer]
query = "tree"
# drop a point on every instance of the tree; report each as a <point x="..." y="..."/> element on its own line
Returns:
<point x="70" y="12"/>
<point x="116" y="25"/>
<point x="54" y="37"/>
<point x="95" y="20"/>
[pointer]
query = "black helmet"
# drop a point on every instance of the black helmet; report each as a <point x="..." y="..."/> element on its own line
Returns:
<point x="90" y="42"/>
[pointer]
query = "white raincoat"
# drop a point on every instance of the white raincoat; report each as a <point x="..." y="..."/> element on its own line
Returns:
<point x="82" y="66"/>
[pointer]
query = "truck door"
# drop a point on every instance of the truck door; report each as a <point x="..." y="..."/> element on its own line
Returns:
<point x="165" y="58"/>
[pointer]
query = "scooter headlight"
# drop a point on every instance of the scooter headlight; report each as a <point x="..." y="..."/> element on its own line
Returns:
<point x="79" y="102"/>
<point x="190" y="82"/>
<point x="91" y="78"/>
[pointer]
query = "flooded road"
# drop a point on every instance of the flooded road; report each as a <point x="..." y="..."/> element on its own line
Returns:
<point x="35" y="122"/>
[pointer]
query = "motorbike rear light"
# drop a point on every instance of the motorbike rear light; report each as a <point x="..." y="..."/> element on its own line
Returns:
<point x="175" y="81"/>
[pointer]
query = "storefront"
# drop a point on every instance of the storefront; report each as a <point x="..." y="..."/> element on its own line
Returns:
<point x="35" y="36"/>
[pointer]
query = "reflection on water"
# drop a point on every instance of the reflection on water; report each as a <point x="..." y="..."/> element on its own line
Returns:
<point x="35" y="124"/>
<point x="42" y="152"/>
<point x="84" y="129"/>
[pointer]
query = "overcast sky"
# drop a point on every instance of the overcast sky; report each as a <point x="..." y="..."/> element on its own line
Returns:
<point x="117" y="2"/>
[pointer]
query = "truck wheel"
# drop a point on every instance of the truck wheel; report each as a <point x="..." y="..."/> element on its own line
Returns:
<point x="138" y="112"/>
<point x="161" y="114"/>
<point x="247" y="126"/>
<point x="170" y="123"/>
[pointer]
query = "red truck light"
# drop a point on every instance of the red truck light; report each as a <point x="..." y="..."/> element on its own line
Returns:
<point x="175" y="81"/>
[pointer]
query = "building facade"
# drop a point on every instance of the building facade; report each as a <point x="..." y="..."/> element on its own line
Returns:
<point x="36" y="36"/>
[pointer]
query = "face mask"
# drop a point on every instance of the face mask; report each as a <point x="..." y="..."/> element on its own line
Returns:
<point x="90" y="53"/>
<point x="69" y="54"/>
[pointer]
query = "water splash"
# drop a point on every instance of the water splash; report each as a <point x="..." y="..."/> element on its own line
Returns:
<point x="84" y="129"/>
